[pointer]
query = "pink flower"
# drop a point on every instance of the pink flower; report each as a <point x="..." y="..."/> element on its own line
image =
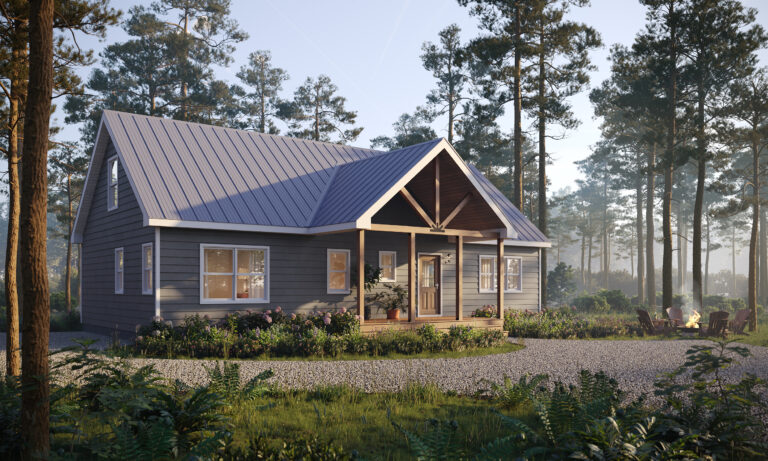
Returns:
<point x="268" y="312"/>
<point x="293" y="316"/>
<point x="357" y="317"/>
<point x="268" y="319"/>
<point x="343" y="310"/>
<point x="278" y="309"/>
<point x="327" y="320"/>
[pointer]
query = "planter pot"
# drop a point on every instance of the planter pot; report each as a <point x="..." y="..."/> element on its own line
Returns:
<point x="393" y="314"/>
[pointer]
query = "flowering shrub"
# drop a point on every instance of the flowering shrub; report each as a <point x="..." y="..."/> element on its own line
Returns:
<point x="563" y="325"/>
<point x="276" y="334"/>
<point x="488" y="311"/>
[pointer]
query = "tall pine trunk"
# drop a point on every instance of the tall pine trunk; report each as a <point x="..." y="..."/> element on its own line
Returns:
<point x="698" y="206"/>
<point x="542" y="199"/>
<point x="752" y="282"/>
<point x="639" y="235"/>
<point x="583" y="274"/>
<point x="35" y="392"/>
<point x="680" y="248"/>
<point x="666" y="269"/>
<point x="733" y="261"/>
<point x="763" y="257"/>
<point x="589" y="264"/>
<point x="518" y="116"/>
<point x="68" y="269"/>
<point x="705" y="286"/>
<point x="650" y="263"/>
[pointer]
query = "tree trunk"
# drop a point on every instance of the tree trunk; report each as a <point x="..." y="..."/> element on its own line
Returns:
<point x="705" y="286"/>
<point x="639" y="235"/>
<point x="68" y="269"/>
<point x="733" y="262"/>
<point x="666" y="268"/>
<point x="542" y="199"/>
<point x="763" y="257"/>
<point x="752" y="282"/>
<point x="698" y="207"/>
<point x="35" y="390"/>
<point x="650" y="264"/>
<point x="583" y="274"/>
<point x="518" y="120"/>
<point x="680" y="260"/>
<point x="589" y="265"/>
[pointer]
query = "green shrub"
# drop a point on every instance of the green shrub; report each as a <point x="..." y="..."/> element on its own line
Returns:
<point x="593" y="304"/>
<point x="564" y="324"/>
<point x="617" y="300"/>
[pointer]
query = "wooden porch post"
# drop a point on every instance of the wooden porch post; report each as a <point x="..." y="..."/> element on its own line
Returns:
<point x="500" y="276"/>
<point x="459" y="275"/>
<point x="411" y="276"/>
<point x="361" y="274"/>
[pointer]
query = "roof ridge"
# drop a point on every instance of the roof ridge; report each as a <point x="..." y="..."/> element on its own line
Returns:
<point x="245" y="131"/>
<point x="320" y="199"/>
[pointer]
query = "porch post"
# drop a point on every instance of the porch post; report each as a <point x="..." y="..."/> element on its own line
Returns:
<point x="361" y="274"/>
<point x="459" y="275"/>
<point x="411" y="276"/>
<point x="500" y="276"/>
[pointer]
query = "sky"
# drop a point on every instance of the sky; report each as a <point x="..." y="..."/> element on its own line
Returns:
<point x="371" y="51"/>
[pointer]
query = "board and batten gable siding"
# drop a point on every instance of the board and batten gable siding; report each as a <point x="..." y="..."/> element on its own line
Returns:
<point x="102" y="309"/>
<point x="298" y="273"/>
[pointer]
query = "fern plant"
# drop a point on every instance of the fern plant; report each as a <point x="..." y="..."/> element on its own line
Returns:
<point x="511" y="395"/>
<point x="225" y="380"/>
<point x="436" y="444"/>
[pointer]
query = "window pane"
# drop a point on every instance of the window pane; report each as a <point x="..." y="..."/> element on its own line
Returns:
<point x="388" y="273"/>
<point x="218" y="260"/>
<point x="513" y="266"/>
<point x="338" y="261"/>
<point x="113" y="196"/>
<point x="513" y="282"/>
<point x="386" y="259"/>
<point x="148" y="280"/>
<point x="250" y="261"/>
<point x="486" y="265"/>
<point x="250" y="286"/>
<point x="147" y="257"/>
<point x="119" y="282"/>
<point x="218" y="287"/>
<point x="119" y="260"/>
<point x="337" y="281"/>
<point x="113" y="172"/>
<point x="428" y="274"/>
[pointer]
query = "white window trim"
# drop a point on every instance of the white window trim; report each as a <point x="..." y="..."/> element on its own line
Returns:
<point x="112" y="159"/>
<point x="495" y="268"/>
<point x="120" y="271"/>
<point x="144" y="289"/>
<point x="330" y="291"/>
<point x="394" y="264"/>
<point x="234" y="299"/>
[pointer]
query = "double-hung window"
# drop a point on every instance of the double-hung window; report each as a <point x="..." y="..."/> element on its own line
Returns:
<point x="234" y="274"/>
<point x="513" y="274"/>
<point x="146" y="269"/>
<point x="338" y="271"/>
<point x="119" y="270"/>
<point x="387" y="264"/>
<point x="112" y="167"/>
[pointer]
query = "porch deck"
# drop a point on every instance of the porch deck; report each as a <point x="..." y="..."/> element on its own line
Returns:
<point x="373" y="326"/>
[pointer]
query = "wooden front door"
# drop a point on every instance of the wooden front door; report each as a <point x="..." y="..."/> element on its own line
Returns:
<point x="429" y="285"/>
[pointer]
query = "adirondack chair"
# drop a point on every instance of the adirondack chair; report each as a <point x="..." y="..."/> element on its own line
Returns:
<point x="675" y="315"/>
<point x="739" y="321"/>
<point x="718" y="325"/>
<point x="647" y="324"/>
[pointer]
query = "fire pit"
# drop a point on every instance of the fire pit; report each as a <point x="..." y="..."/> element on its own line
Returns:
<point x="687" y="329"/>
<point x="692" y="325"/>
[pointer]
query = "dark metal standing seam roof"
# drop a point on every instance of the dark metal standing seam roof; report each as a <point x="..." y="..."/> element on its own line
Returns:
<point x="191" y="172"/>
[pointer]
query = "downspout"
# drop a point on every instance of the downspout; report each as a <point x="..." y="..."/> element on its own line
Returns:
<point x="157" y="272"/>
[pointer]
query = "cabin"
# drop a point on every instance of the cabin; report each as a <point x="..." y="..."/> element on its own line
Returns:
<point x="181" y="218"/>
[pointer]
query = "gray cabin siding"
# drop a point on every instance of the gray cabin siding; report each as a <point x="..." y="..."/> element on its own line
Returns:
<point x="102" y="309"/>
<point x="298" y="270"/>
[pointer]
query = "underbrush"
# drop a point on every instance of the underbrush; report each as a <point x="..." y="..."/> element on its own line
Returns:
<point x="275" y="334"/>
<point x="117" y="411"/>
<point x="564" y="324"/>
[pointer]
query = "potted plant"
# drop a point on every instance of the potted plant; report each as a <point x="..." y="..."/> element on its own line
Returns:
<point x="393" y="299"/>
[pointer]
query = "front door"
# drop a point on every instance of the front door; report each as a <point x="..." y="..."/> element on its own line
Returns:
<point x="429" y="285"/>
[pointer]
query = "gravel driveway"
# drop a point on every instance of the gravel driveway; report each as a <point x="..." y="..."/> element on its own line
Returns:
<point x="635" y="364"/>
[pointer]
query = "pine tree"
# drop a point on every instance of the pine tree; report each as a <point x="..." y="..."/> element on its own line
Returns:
<point x="317" y="112"/>
<point x="447" y="62"/>
<point x="409" y="130"/>
<point x="262" y="103"/>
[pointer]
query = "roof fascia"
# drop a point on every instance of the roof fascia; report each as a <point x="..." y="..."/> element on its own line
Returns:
<point x="91" y="178"/>
<point x="251" y="227"/>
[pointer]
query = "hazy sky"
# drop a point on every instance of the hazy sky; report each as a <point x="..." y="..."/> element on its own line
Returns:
<point x="371" y="49"/>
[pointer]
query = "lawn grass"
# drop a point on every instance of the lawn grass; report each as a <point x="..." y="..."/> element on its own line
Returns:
<point x="363" y="422"/>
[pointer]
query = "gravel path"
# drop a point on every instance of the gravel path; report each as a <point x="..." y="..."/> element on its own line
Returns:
<point x="635" y="364"/>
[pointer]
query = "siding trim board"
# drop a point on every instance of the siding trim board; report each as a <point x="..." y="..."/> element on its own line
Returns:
<point x="157" y="284"/>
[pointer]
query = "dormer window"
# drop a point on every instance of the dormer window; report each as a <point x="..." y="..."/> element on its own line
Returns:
<point x="112" y="183"/>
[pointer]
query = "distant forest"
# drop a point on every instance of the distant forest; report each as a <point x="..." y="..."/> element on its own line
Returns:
<point x="676" y="174"/>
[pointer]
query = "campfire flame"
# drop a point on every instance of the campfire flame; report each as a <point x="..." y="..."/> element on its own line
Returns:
<point x="693" y="320"/>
